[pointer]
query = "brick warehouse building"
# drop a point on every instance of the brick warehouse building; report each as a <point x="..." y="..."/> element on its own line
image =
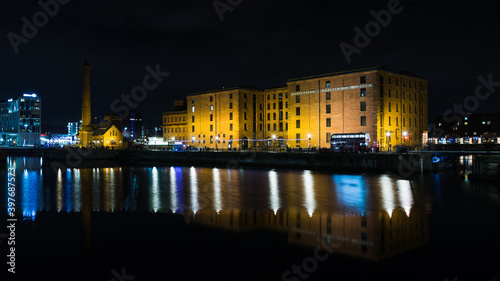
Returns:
<point x="385" y="104"/>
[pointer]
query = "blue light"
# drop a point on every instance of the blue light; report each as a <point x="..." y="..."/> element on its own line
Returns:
<point x="351" y="191"/>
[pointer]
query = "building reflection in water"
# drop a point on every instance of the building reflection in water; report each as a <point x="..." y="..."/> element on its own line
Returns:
<point x="368" y="216"/>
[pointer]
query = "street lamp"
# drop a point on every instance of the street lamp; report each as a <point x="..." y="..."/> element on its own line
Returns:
<point x="405" y="136"/>
<point x="274" y="138"/>
<point x="388" y="134"/>
<point x="193" y="138"/>
<point x="309" y="145"/>
<point x="216" y="141"/>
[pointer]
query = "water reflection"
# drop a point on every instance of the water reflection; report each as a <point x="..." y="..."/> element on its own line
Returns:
<point x="350" y="210"/>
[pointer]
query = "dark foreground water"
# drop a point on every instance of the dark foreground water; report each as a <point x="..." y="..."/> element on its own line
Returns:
<point x="199" y="223"/>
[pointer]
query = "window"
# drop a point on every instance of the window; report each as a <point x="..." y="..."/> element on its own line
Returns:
<point x="328" y="108"/>
<point x="403" y="94"/>
<point x="230" y="127"/>
<point x="211" y="108"/>
<point x="362" y="92"/>
<point x="192" y="109"/>
<point x="230" y="105"/>
<point x="211" y="128"/>
<point x="244" y="105"/>
<point x="389" y="107"/>
<point x="281" y="115"/>
<point x="389" y="120"/>
<point x="274" y="105"/>
<point x="192" y="101"/>
<point x="363" y="106"/>
<point x="328" y="122"/>
<point x="297" y="124"/>
<point x="280" y="105"/>
<point x="211" y="139"/>
<point x="397" y="109"/>
<point x="192" y="129"/>
<point x="328" y="137"/>
<point x="298" y="138"/>
<point x="409" y="108"/>
<point x="328" y="96"/>
<point x="261" y="117"/>
<point x="362" y="79"/>
<point x="397" y="121"/>
<point x="297" y="88"/>
<point x="268" y="116"/>
<point x="381" y="79"/>
<point x="274" y="96"/>
<point x="245" y="126"/>
<point x="286" y="115"/>
<point x="397" y="94"/>
<point x="328" y="84"/>
<point x="286" y="126"/>
<point x="389" y="92"/>
<point x="230" y="116"/>
<point x="244" y="96"/>
<point x="231" y="96"/>
<point x="269" y="127"/>
<point x="245" y="115"/>
<point x="363" y="120"/>
<point x="404" y="122"/>
<point x="297" y="111"/>
<point x="409" y="122"/>
<point x="274" y="116"/>
<point x="211" y="98"/>
<point x="404" y="110"/>
<point x="211" y="117"/>
<point x="192" y="118"/>
<point x="297" y="98"/>
<point x="274" y="127"/>
<point x="286" y="104"/>
<point x="268" y="106"/>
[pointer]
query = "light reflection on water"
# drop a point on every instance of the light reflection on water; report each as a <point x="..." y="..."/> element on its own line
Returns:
<point x="178" y="189"/>
<point x="356" y="209"/>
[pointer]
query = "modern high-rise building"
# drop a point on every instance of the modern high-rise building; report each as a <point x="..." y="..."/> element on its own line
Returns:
<point x="20" y="120"/>
<point x="390" y="106"/>
<point x="73" y="128"/>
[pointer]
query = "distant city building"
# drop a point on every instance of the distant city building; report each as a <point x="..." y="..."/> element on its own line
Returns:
<point x="390" y="106"/>
<point x="73" y="128"/>
<point x="20" y="120"/>
<point x="133" y="128"/>
<point x="472" y="128"/>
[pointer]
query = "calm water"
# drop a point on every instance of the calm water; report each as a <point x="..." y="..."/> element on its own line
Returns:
<point x="186" y="223"/>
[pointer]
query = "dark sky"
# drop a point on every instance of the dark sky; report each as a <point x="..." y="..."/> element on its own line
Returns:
<point x="259" y="43"/>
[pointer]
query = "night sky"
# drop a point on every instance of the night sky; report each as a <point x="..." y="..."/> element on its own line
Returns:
<point x="259" y="43"/>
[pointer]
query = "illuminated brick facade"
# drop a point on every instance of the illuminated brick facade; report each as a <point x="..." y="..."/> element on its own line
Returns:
<point x="388" y="105"/>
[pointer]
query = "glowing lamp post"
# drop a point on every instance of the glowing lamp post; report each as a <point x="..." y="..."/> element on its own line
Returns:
<point x="388" y="134"/>
<point x="274" y="138"/>
<point x="309" y="144"/>
<point x="193" y="138"/>
<point x="216" y="141"/>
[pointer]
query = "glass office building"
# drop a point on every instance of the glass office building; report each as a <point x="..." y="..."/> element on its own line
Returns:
<point x="20" y="121"/>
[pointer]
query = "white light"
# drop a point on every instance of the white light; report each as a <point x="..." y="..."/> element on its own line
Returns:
<point x="309" y="135"/>
<point x="274" y="137"/>
<point x="388" y="134"/>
